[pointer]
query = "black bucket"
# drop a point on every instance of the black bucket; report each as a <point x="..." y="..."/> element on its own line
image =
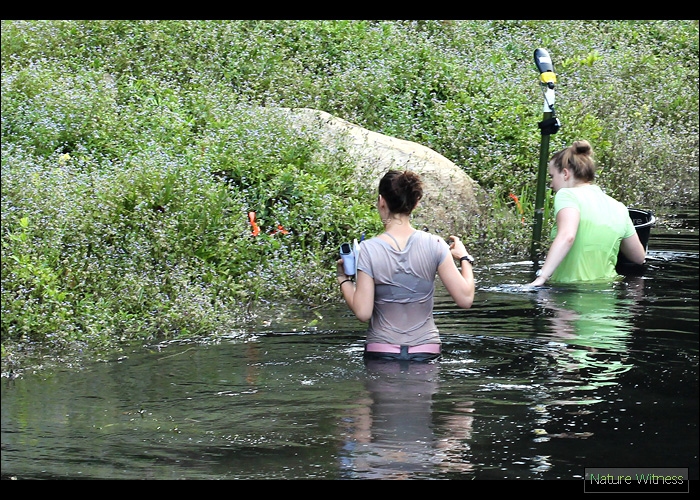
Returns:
<point x="643" y="221"/>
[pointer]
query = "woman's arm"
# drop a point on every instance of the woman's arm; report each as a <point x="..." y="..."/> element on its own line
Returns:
<point x="633" y="249"/>
<point x="358" y="295"/>
<point x="567" y="226"/>
<point x="458" y="282"/>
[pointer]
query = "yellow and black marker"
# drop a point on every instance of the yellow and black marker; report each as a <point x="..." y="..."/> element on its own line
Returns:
<point x="549" y="125"/>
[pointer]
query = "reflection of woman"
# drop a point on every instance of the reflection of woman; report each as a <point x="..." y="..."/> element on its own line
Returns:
<point x="393" y="435"/>
<point x="401" y="432"/>
<point x="595" y="324"/>
<point x="591" y="227"/>
<point x="396" y="273"/>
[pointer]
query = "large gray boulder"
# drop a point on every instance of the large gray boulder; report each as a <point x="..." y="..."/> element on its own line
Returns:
<point x="450" y="195"/>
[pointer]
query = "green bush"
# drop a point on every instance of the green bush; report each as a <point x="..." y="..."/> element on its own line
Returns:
<point x="134" y="151"/>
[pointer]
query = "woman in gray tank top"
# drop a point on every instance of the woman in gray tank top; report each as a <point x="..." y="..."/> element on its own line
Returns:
<point x="395" y="276"/>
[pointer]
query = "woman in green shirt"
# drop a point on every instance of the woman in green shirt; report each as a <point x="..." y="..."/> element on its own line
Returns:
<point x="591" y="227"/>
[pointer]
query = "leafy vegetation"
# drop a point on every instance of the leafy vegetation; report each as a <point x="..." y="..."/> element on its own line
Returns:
<point x="134" y="151"/>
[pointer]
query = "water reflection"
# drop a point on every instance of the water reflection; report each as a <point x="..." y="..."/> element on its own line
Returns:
<point x="532" y="385"/>
<point x="593" y="324"/>
<point x="392" y="434"/>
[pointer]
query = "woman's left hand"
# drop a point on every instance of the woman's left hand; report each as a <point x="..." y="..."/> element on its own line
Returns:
<point x="340" y="272"/>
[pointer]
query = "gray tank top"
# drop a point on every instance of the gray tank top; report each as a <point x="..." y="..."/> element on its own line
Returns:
<point x="404" y="288"/>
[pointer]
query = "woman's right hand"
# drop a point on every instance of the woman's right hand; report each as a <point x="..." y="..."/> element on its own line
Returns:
<point x="457" y="248"/>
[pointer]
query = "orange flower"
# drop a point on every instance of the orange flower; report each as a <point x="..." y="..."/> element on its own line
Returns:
<point x="254" y="225"/>
<point x="517" y="204"/>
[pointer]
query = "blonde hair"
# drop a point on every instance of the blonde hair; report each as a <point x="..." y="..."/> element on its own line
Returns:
<point x="578" y="158"/>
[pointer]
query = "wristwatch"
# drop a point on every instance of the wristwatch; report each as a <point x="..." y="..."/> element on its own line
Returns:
<point x="468" y="258"/>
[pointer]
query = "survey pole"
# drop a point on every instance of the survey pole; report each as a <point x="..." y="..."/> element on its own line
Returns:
<point x="548" y="126"/>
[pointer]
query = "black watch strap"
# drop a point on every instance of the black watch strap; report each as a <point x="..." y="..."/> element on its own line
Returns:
<point x="468" y="258"/>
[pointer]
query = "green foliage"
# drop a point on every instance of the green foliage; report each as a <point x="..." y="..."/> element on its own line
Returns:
<point x="133" y="152"/>
<point x="50" y="110"/>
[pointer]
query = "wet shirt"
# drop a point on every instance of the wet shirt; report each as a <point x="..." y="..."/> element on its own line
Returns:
<point x="604" y="222"/>
<point x="404" y="288"/>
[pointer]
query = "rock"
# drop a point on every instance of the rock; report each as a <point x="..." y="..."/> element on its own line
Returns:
<point x="450" y="195"/>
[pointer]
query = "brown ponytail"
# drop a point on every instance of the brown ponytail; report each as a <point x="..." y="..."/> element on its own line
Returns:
<point x="402" y="190"/>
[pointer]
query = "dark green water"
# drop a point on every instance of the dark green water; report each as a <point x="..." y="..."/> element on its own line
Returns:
<point x="532" y="385"/>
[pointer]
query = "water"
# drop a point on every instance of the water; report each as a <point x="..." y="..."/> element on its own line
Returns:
<point x="532" y="385"/>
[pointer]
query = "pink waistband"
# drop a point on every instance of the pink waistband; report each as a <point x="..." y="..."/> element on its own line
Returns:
<point x="379" y="347"/>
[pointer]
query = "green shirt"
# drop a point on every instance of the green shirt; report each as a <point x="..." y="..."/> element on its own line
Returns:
<point x="604" y="223"/>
